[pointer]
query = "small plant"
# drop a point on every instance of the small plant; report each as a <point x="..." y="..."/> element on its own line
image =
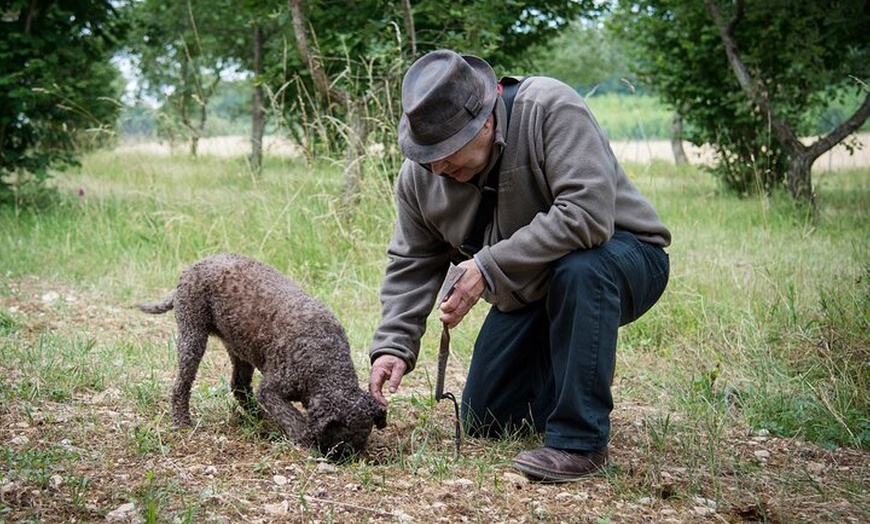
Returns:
<point x="78" y="490"/>
<point x="152" y="498"/>
<point x="7" y="323"/>
<point x="147" y="393"/>
<point x="148" y="439"/>
<point x="659" y="431"/>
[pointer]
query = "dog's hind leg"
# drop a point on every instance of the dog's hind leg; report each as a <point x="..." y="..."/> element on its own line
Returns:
<point x="192" y="342"/>
<point x="273" y="399"/>
<point x="243" y="374"/>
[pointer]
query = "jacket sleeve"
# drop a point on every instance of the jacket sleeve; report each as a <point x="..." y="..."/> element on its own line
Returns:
<point x="417" y="263"/>
<point x="571" y="158"/>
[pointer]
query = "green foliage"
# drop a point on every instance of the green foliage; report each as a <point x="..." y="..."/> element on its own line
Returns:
<point x="802" y="53"/>
<point x="58" y="90"/>
<point x="627" y="116"/>
<point x="184" y="49"/>
<point x="585" y="56"/>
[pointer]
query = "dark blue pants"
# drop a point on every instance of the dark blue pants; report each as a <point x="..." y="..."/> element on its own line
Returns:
<point x="548" y="366"/>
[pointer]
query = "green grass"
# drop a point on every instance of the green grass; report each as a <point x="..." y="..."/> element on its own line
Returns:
<point x="645" y="117"/>
<point x="631" y="117"/>
<point x="765" y="326"/>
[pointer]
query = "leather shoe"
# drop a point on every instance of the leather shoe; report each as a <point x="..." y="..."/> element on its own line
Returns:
<point x="558" y="465"/>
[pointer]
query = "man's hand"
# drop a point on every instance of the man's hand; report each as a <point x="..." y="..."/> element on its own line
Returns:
<point x="386" y="368"/>
<point x="464" y="296"/>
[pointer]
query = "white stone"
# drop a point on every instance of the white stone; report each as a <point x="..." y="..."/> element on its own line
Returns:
<point x="464" y="483"/>
<point x="281" y="508"/>
<point x="280" y="480"/>
<point x="701" y="501"/>
<point x="515" y="478"/>
<point x="55" y="481"/>
<point x="51" y="297"/>
<point x="123" y="513"/>
<point x="762" y="454"/>
<point x="326" y="467"/>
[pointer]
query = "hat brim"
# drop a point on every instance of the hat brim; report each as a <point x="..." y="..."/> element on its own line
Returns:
<point x="428" y="153"/>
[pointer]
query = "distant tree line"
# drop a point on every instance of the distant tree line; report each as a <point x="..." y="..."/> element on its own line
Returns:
<point x="741" y="76"/>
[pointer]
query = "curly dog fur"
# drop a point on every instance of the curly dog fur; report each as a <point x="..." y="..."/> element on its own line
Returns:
<point x="268" y="322"/>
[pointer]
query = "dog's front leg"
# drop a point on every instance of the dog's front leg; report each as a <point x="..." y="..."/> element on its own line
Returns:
<point x="273" y="399"/>
<point x="243" y="374"/>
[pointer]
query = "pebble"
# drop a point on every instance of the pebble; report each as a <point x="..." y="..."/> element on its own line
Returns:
<point x="281" y="508"/>
<point x="326" y="467"/>
<point x="280" y="480"/>
<point x="463" y="484"/>
<point x="701" y="501"/>
<point x="50" y="297"/>
<point x="762" y="454"/>
<point x="124" y="513"/>
<point x="55" y="481"/>
<point x="516" y="479"/>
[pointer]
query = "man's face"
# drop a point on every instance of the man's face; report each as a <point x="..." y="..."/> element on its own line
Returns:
<point x="470" y="160"/>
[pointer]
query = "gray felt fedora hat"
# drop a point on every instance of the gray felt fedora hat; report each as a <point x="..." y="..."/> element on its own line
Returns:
<point x="446" y="98"/>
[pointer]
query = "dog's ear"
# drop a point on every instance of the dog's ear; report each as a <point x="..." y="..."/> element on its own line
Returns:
<point x="379" y="413"/>
<point x="321" y="413"/>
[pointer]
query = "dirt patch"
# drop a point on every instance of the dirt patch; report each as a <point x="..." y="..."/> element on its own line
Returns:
<point x="105" y="453"/>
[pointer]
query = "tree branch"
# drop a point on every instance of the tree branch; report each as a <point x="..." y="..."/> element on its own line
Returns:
<point x="753" y="90"/>
<point x="411" y="33"/>
<point x="321" y="81"/>
<point x="843" y="130"/>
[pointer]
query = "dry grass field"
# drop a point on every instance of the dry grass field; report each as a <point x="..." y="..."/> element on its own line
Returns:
<point x="754" y="346"/>
<point x="639" y="151"/>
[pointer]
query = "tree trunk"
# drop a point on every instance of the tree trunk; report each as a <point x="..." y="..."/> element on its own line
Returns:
<point x="258" y="111"/>
<point x="356" y="141"/>
<point x="680" y="157"/>
<point x="800" y="157"/>
<point x="410" y="32"/>
<point x="330" y="94"/>
<point x="799" y="179"/>
<point x="315" y="67"/>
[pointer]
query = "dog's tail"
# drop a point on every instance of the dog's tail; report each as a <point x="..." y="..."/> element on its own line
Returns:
<point x="160" y="307"/>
